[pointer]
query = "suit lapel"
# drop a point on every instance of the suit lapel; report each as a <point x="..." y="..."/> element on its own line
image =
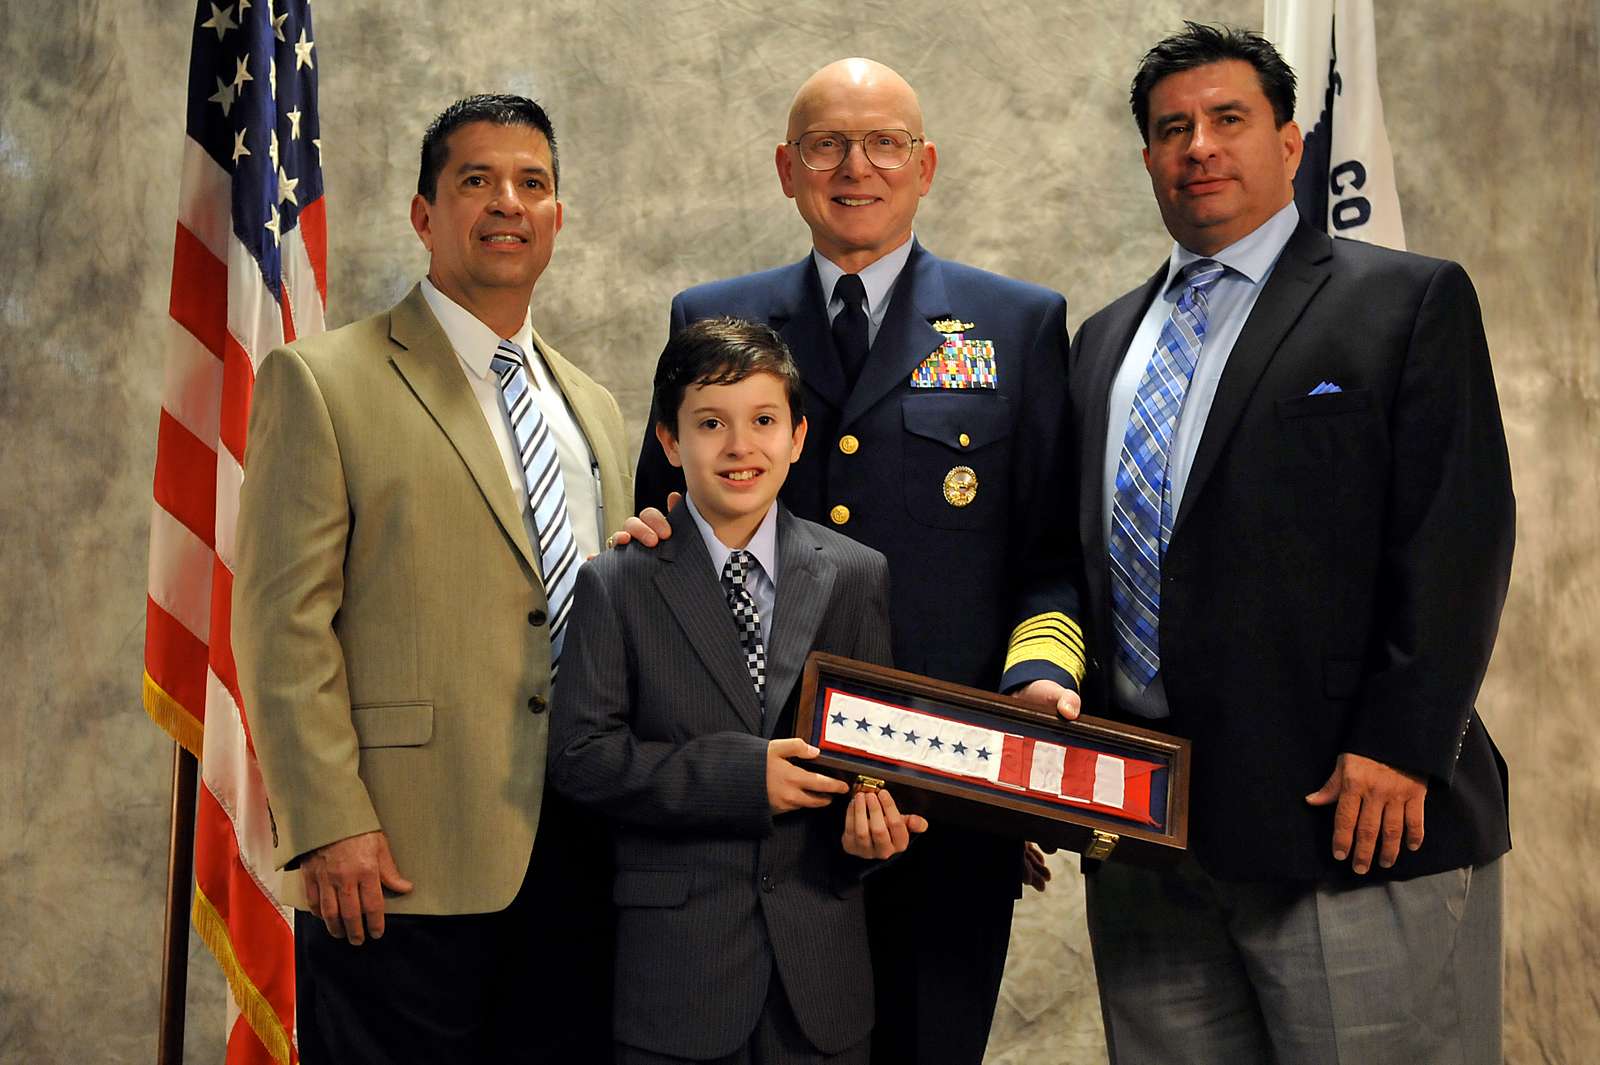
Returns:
<point x="1123" y="319"/>
<point x="587" y="402"/>
<point x="805" y="587"/>
<point x="906" y="336"/>
<point x="1301" y="270"/>
<point x="430" y="366"/>
<point x="800" y="316"/>
<point x="693" y="592"/>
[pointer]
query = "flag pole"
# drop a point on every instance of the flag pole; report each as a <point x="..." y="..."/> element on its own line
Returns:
<point x="180" y="878"/>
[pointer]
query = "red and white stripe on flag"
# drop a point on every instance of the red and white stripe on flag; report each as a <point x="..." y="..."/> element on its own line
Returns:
<point x="1055" y="773"/>
<point x="249" y="273"/>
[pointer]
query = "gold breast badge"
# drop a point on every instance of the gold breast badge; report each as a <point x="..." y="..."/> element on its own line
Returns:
<point x="952" y="325"/>
<point x="960" y="486"/>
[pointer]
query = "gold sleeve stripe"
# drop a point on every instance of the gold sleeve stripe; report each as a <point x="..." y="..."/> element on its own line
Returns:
<point x="1057" y="626"/>
<point x="1053" y="638"/>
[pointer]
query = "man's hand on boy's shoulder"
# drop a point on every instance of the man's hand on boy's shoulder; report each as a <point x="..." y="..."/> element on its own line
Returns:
<point x="649" y="527"/>
<point x="789" y="787"/>
<point x="874" y="827"/>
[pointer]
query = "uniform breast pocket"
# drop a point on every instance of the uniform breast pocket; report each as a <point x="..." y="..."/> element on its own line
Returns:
<point x="957" y="458"/>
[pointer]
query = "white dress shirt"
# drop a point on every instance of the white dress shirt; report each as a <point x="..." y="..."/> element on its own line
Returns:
<point x="475" y="344"/>
<point x="761" y="581"/>
<point x="878" y="279"/>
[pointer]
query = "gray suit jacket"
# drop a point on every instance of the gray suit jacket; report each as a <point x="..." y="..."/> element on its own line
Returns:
<point x="656" y="724"/>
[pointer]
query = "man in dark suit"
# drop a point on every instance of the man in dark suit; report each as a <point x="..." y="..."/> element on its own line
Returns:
<point x="741" y="933"/>
<point x="939" y="428"/>
<point x="1298" y="524"/>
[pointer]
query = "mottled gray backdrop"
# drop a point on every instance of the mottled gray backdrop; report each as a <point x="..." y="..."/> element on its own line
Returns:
<point x="667" y="114"/>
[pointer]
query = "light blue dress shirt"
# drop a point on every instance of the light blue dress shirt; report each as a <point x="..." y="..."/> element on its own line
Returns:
<point x="878" y="279"/>
<point x="1249" y="261"/>
<point x="762" y="579"/>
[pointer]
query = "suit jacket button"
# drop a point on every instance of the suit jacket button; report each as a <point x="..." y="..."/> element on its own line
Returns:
<point x="536" y="618"/>
<point x="537" y="704"/>
<point x="849" y="444"/>
<point x="839" y="514"/>
<point x="766" y="883"/>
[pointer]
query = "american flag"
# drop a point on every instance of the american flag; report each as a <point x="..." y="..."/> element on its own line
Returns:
<point x="249" y="273"/>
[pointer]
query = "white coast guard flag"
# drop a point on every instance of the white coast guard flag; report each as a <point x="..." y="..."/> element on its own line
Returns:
<point x="1346" y="179"/>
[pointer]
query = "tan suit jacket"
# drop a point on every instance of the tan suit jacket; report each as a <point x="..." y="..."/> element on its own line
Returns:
<point x="389" y="618"/>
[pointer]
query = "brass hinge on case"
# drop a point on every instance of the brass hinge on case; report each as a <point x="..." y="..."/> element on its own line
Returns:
<point x="866" y="783"/>
<point x="1101" y="844"/>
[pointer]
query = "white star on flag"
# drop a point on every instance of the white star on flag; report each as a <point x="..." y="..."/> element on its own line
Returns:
<point x="277" y="26"/>
<point x="272" y="227"/>
<point x="294" y="123"/>
<point x="286" y="186"/>
<point x="221" y="20"/>
<point x="239" y="150"/>
<point x="302" y="52"/>
<point x="223" y="96"/>
<point x="242" y="73"/>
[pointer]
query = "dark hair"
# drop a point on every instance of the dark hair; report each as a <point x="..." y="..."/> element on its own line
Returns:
<point x="1199" y="45"/>
<point x="721" y="351"/>
<point x="503" y="109"/>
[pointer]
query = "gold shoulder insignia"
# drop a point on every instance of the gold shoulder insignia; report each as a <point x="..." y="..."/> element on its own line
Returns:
<point x="952" y="325"/>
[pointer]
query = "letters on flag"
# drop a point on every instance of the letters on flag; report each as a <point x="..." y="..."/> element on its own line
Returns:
<point x="1346" y="183"/>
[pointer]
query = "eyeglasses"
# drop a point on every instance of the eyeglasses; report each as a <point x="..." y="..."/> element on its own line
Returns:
<point x="886" y="149"/>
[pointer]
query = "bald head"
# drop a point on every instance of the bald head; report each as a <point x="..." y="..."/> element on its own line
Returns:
<point x="856" y="85"/>
<point x="858" y="210"/>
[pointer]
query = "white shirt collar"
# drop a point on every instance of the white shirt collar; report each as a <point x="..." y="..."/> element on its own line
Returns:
<point x="763" y="544"/>
<point x="878" y="279"/>
<point x="1252" y="255"/>
<point x="474" y="342"/>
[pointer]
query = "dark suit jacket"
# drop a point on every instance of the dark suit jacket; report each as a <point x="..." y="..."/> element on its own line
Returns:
<point x="656" y="724"/>
<point x="964" y="577"/>
<point x="1338" y="562"/>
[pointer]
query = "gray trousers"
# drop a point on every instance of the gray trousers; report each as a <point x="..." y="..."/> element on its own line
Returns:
<point x="1195" y="970"/>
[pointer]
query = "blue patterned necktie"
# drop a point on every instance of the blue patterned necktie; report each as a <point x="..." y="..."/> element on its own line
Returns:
<point x="1141" y="510"/>
<point x="547" y="496"/>
<point x="747" y="619"/>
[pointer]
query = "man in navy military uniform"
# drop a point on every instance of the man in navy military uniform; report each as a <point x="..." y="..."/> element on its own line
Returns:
<point x="937" y="400"/>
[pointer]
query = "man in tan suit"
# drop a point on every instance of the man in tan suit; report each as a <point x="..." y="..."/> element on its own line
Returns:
<point x="420" y="488"/>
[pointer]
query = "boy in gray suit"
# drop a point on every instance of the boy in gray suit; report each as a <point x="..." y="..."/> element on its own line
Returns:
<point x="741" y="936"/>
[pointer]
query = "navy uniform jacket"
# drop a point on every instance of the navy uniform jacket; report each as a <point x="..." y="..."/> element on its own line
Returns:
<point x="967" y="582"/>
<point x="1338" y="562"/>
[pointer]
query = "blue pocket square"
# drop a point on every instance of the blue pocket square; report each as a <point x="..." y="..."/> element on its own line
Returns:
<point x="1324" y="388"/>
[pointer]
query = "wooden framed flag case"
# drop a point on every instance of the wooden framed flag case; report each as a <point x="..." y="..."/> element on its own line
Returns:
<point x="991" y="762"/>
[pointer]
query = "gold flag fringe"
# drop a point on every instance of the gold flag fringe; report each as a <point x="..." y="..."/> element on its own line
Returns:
<point x="253" y="1005"/>
<point x="172" y="718"/>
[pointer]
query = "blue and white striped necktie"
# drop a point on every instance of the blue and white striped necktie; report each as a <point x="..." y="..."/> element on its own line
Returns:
<point x="1141" y="510"/>
<point x="547" y="495"/>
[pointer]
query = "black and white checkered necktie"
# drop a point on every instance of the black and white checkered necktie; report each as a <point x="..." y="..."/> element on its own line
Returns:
<point x="747" y="618"/>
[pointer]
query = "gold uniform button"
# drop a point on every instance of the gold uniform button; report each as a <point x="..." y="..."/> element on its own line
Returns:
<point x="839" y="514"/>
<point x="964" y="439"/>
<point x="849" y="444"/>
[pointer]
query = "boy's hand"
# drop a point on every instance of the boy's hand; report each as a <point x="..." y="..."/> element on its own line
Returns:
<point x="649" y="528"/>
<point x="874" y="827"/>
<point x="791" y="788"/>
